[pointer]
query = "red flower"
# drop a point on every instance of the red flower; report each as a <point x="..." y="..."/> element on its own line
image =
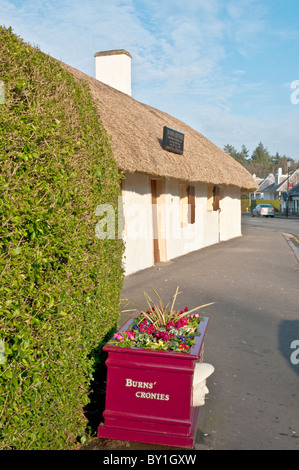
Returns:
<point x="184" y="346"/>
<point x="169" y="325"/>
<point x="164" y="336"/>
<point x="146" y="328"/>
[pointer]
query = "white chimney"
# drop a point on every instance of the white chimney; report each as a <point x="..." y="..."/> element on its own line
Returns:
<point x="114" y="69"/>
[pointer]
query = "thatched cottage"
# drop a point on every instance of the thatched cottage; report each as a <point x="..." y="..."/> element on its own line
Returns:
<point x="173" y="203"/>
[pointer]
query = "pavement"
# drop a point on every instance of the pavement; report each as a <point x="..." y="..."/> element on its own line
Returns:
<point x="253" y="397"/>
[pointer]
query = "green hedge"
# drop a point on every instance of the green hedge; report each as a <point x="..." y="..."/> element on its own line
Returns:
<point x="275" y="203"/>
<point x="60" y="285"/>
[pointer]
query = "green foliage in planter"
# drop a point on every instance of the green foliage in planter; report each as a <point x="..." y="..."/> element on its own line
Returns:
<point x="273" y="202"/>
<point x="60" y="285"/>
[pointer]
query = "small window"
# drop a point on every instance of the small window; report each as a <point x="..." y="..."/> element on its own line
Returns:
<point x="213" y="200"/>
<point x="191" y="202"/>
<point x="210" y="198"/>
<point x="216" y="205"/>
<point x="187" y="204"/>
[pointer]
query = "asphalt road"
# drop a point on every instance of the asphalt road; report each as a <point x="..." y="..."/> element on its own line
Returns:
<point x="279" y="224"/>
<point x="253" y="401"/>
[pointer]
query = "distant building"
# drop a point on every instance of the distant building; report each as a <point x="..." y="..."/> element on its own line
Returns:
<point x="280" y="187"/>
<point x="294" y="197"/>
<point x="288" y="192"/>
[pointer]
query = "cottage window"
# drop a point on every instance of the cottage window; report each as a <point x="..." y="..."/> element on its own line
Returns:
<point x="213" y="198"/>
<point x="216" y="205"/>
<point x="191" y="202"/>
<point x="187" y="204"/>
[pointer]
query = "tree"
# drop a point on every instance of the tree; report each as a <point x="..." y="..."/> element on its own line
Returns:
<point x="277" y="159"/>
<point x="282" y="162"/>
<point x="261" y="162"/>
<point x="261" y="155"/>
<point x="241" y="157"/>
<point x="244" y="155"/>
<point x="230" y="149"/>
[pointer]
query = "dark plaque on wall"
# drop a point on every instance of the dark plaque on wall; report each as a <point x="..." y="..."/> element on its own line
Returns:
<point x="173" y="141"/>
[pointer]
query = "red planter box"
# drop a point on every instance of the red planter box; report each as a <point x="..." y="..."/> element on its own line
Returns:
<point x="149" y="394"/>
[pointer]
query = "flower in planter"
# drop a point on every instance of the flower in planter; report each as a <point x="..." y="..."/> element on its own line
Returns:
<point x="118" y="336"/>
<point x="162" y="328"/>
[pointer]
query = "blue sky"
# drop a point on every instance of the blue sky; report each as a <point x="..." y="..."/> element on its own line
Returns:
<point x="225" y="67"/>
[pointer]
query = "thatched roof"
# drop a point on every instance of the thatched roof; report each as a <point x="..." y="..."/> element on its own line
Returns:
<point x="137" y="132"/>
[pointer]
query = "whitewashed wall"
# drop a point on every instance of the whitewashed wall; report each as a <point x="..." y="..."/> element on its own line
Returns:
<point x="230" y="215"/>
<point x="209" y="228"/>
<point x="138" y="231"/>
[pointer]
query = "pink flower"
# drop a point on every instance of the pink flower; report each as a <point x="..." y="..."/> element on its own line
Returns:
<point x="130" y="335"/>
<point x="118" y="336"/>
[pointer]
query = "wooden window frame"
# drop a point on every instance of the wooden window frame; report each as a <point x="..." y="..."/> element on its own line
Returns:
<point x="187" y="204"/>
<point x="191" y="203"/>
<point x="213" y="198"/>
<point x="216" y="198"/>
